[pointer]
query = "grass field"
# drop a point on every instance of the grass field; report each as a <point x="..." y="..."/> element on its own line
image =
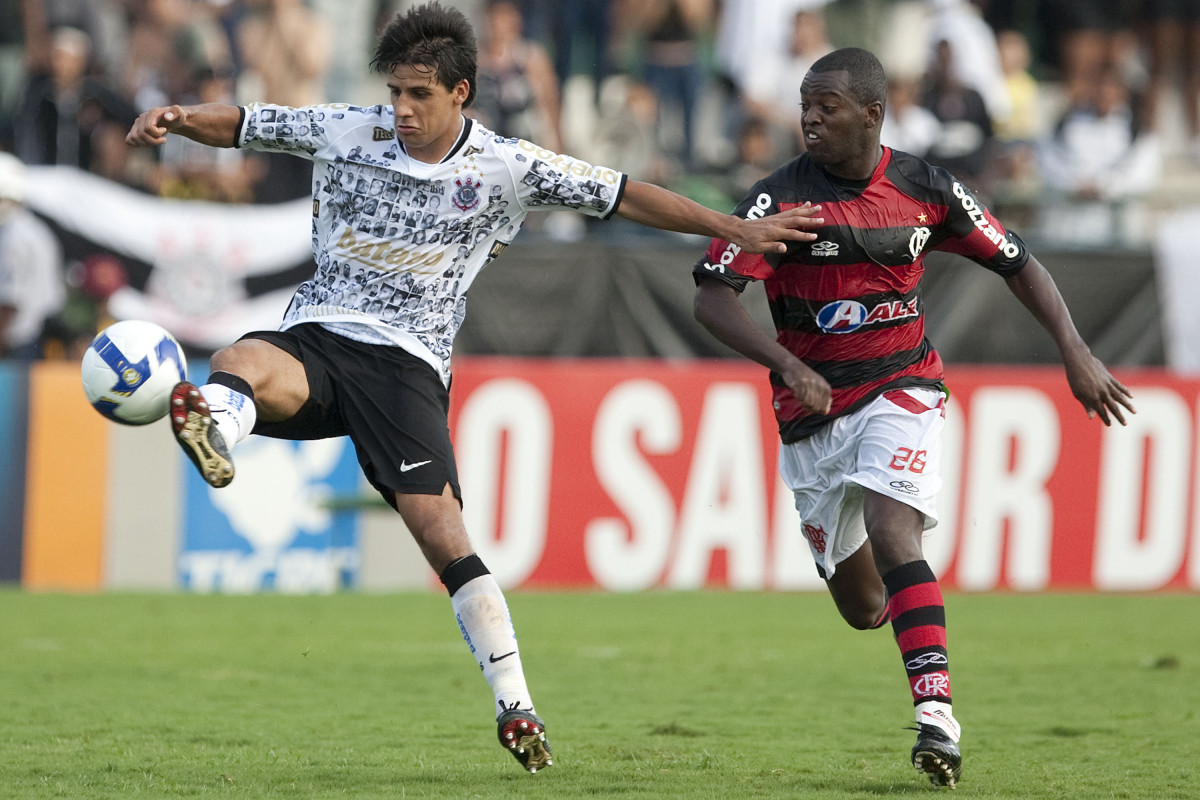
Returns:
<point x="713" y="695"/>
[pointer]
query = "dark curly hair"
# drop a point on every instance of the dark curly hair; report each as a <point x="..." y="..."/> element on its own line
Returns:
<point x="868" y="83"/>
<point x="430" y="37"/>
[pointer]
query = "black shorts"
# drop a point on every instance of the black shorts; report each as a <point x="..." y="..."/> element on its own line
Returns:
<point x="390" y="403"/>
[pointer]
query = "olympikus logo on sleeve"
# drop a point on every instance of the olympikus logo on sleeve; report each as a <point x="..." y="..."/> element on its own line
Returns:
<point x="975" y="212"/>
<point x="824" y="248"/>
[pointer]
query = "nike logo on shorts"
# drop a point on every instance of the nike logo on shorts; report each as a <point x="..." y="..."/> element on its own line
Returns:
<point x="405" y="466"/>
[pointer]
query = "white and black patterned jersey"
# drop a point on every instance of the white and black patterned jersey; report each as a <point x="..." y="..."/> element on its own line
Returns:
<point x="397" y="242"/>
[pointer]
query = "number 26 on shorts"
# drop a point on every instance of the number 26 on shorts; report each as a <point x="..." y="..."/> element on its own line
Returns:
<point x="907" y="459"/>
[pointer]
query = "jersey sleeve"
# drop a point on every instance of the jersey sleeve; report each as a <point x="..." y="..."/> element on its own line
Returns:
<point x="545" y="179"/>
<point x="727" y="262"/>
<point x="306" y="132"/>
<point x="973" y="231"/>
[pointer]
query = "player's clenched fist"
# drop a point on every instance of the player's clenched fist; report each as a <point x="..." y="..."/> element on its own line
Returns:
<point x="153" y="126"/>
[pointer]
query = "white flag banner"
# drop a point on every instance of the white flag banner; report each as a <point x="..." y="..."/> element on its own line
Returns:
<point x="1175" y="262"/>
<point x="207" y="272"/>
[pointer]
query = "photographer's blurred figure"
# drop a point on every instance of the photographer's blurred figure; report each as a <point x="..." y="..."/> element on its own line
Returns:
<point x="31" y="273"/>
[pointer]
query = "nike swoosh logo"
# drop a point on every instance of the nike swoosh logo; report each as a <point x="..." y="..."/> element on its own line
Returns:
<point x="492" y="657"/>
<point x="405" y="466"/>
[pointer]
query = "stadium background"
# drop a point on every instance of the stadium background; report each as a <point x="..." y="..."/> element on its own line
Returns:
<point x="605" y="441"/>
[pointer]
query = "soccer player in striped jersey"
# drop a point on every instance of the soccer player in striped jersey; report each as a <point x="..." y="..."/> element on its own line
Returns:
<point x="858" y="390"/>
<point x="411" y="199"/>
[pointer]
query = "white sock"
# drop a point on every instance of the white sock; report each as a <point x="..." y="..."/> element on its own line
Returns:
<point x="933" y="712"/>
<point x="486" y="626"/>
<point x="232" y="412"/>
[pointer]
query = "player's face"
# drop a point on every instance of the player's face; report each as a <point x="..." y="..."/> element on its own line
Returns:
<point x="841" y="135"/>
<point x="428" y="115"/>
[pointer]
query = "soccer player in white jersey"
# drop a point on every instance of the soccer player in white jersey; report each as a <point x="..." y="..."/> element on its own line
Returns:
<point x="410" y="200"/>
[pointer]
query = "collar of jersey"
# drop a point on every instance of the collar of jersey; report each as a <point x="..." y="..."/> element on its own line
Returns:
<point x="462" y="138"/>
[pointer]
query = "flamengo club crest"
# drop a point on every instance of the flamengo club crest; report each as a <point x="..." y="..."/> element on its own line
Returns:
<point x="466" y="196"/>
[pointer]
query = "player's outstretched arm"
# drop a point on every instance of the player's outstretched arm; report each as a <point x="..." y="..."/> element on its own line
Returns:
<point x="214" y="124"/>
<point x="1099" y="392"/>
<point x="661" y="208"/>
<point x="719" y="309"/>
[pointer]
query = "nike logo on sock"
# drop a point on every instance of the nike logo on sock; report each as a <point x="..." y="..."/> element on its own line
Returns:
<point x="492" y="657"/>
<point x="405" y="466"/>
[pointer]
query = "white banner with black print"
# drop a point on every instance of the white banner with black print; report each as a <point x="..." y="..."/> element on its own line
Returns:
<point x="207" y="272"/>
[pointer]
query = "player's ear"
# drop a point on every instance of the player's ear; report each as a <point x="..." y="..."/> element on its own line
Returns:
<point x="873" y="114"/>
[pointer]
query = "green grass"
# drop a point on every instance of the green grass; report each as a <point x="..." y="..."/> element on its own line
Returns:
<point x="711" y="695"/>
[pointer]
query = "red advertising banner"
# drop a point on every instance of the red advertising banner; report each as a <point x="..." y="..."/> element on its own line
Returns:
<point x="627" y="475"/>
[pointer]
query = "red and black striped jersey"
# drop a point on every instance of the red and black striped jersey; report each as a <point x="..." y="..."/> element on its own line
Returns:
<point x="849" y="303"/>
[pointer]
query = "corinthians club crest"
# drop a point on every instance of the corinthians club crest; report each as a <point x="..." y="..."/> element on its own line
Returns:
<point x="466" y="196"/>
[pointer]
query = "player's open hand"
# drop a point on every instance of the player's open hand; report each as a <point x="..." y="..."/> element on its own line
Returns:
<point x="152" y="127"/>
<point x="1100" y="393"/>
<point x="771" y="234"/>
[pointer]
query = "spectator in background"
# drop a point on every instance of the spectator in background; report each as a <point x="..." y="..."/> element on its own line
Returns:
<point x="284" y="48"/>
<point x="1099" y="149"/>
<point x="976" y="57"/>
<point x="1086" y="34"/>
<point x="284" y="51"/>
<point x="1014" y="157"/>
<point x="31" y="270"/>
<point x="1173" y="33"/>
<point x="963" y="147"/>
<point x="672" y="32"/>
<point x="772" y="92"/>
<point x="169" y="42"/>
<point x="587" y="23"/>
<point x="627" y="135"/>
<point x="91" y="283"/>
<point x="65" y="114"/>
<point x="907" y="125"/>
<point x="188" y="170"/>
<point x="517" y="92"/>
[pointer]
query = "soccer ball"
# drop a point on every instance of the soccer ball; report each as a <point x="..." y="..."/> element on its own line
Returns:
<point x="129" y="370"/>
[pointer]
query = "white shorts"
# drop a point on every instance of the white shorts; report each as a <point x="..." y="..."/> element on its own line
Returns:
<point x="891" y="446"/>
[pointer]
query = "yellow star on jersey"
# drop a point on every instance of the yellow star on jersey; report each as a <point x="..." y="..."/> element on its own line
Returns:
<point x="922" y="217"/>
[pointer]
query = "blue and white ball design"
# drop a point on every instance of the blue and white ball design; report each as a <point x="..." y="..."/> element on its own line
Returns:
<point x="129" y="371"/>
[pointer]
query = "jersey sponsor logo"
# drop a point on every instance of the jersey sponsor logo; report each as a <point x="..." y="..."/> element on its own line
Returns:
<point x="379" y="134"/>
<point x="381" y="254"/>
<point x="975" y="212"/>
<point x="466" y="197"/>
<point x="916" y="242"/>
<point x="847" y="316"/>
<point x="731" y="251"/>
<point x="825" y="248"/>
<point x="571" y="166"/>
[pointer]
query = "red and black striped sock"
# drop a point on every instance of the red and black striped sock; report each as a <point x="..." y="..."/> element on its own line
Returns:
<point x="919" y="625"/>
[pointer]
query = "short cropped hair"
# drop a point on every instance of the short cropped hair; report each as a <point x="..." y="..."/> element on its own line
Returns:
<point x="868" y="83"/>
<point x="430" y="36"/>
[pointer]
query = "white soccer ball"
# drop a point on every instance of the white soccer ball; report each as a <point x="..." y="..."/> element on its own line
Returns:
<point x="129" y="370"/>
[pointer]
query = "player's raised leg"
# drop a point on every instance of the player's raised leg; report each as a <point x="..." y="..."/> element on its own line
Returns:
<point x="483" y="619"/>
<point x="247" y="376"/>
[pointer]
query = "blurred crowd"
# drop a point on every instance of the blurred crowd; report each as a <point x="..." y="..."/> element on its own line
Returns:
<point x="1063" y="113"/>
